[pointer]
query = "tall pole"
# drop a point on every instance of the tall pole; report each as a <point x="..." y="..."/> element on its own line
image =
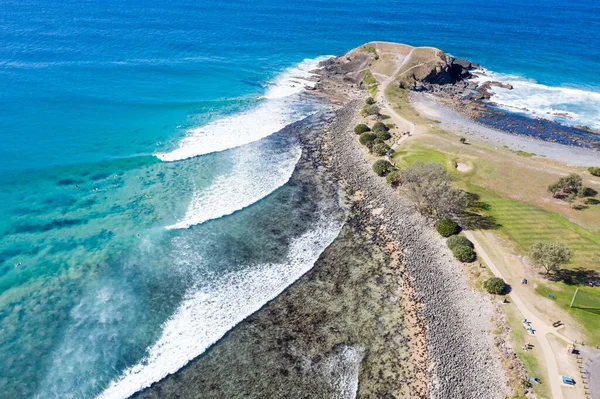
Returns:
<point x="574" y="295"/>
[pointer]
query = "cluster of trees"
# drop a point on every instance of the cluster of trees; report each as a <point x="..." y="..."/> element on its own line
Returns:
<point x="374" y="137"/>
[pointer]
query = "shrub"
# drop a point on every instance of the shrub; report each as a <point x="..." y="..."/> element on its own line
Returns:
<point x="383" y="135"/>
<point x="366" y="138"/>
<point x="393" y="178"/>
<point x="447" y="227"/>
<point x="594" y="170"/>
<point x="494" y="285"/>
<point x="379" y="127"/>
<point x="382" y="167"/>
<point x="371" y="110"/>
<point x="578" y="207"/>
<point x="370" y="101"/>
<point x="380" y="149"/>
<point x="463" y="253"/>
<point x="457" y="240"/>
<point x="463" y="140"/>
<point x="361" y="128"/>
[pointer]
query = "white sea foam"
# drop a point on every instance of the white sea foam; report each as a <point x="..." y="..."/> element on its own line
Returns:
<point x="566" y="105"/>
<point x="251" y="178"/>
<point x="216" y="305"/>
<point x="276" y="109"/>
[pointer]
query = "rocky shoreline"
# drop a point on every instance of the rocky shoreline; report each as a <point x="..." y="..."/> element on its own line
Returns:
<point x="385" y="312"/>
<point x="462" y="359"/>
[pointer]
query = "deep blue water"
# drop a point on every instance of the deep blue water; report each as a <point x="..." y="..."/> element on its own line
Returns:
<point x="90" y="90"/>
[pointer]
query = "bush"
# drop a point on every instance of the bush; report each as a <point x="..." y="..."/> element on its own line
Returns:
<point x="494" y="285"/>
<point x="594" y="170"/>
<point x="361" y="128"/>
<point x="371" y="110"/>
<point x="393" y="178"/>
<point x="457" y="240"/>
<point x="463" y="253"/>
<point x="463" y="140"/>
<point x="370" y="101"/>
<point x="380" y="149"/>
<point x="383" y="135"/>
<point x="382" y="167"/>
<point x="379" y="127"/>
<point x="366" y="138"/>
<point x="447" y="227"/>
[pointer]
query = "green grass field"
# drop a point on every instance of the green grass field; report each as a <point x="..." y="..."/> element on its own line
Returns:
<point x="524" y="224"/>
<point x="586" y="307"/>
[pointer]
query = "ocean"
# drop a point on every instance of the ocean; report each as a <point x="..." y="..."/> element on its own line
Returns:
<point x="145" y="204"/>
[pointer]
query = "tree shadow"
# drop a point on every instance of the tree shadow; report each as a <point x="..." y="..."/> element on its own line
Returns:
<point x="579" y="276"/>
<point x="474" y="217"/>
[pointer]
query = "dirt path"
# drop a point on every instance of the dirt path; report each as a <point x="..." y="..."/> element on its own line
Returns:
<point x="542" y="329"/>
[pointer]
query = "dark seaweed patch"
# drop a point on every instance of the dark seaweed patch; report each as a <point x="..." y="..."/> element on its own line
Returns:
<point x="55" y="224"/>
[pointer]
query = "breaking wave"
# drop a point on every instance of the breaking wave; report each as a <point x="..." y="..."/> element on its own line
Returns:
<point x="216" y="305"/>
<point x="278" y="107"/>
<point x="252" y="177"/>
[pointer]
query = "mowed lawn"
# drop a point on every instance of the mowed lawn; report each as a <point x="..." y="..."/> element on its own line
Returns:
<point x="525" y="224"/>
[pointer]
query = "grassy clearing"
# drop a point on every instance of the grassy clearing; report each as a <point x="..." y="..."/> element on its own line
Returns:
<point x="586" y="308"/>
<point x="529" y="358"/>
<point x="370" y="82"/>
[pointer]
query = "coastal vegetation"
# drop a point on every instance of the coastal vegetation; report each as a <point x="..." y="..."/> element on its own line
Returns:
<point x="494" y="285"/>
<point x="361" y="128"/>
<point x="382" y="167"/>
<point x="456" y="240"/>
<point x="447" y="227"/>
<point x="367" y="138"/>
<point x="464" y="253"/>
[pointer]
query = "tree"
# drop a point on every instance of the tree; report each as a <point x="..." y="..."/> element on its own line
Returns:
<point x="367" y="138"/>
<point x="549" y="256"/>
<point x="380" y="149"/>
<point x="494" y="285"/>
<point x="428" y="186"/>
<point x="570" y="184"/>
<point x="594" y="170"/>
<point x="370" y="101"/>
<point x="463" y="140"/>
<point x="382" y="167"/>
<point x="379" y="127"/>
<point x="361" y="128"/>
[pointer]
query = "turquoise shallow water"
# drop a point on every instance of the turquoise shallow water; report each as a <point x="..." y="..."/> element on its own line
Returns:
<point x="90" y="273"/>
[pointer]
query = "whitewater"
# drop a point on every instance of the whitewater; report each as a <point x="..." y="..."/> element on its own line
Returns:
<point x="280" y="106"/>
<point x="217" y="304"/>
<point x="567" y="105"/>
